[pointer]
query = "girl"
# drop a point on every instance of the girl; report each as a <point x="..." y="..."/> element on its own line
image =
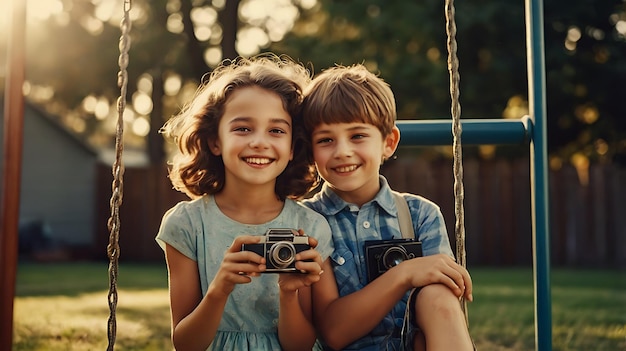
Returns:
<point x="242" y="160"/>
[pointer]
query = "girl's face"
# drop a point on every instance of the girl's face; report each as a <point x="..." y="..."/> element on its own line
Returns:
<point x="254" y="137"/>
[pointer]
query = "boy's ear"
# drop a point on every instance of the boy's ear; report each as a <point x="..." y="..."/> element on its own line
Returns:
<point x="214" y="146"/>
<point x="391" y="142"/>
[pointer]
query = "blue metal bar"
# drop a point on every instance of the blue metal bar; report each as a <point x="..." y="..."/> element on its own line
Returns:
<point x="475" y="131"/>
<point x="539" y="173"/>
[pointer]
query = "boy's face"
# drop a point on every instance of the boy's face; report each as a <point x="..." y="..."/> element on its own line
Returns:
<point x="348" y="156"/>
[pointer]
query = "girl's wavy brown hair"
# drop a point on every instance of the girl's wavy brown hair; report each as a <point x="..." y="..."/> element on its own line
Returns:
<point x="194" y="169"/>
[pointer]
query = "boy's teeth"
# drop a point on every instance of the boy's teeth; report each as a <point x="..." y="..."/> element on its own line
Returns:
<point x="258" y="160"/>
<point x="346" y="169"/>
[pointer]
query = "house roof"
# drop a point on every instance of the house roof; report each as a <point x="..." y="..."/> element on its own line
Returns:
<point x="46" y="117"/>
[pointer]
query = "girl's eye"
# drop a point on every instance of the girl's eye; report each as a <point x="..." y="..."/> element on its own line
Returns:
<point x="278" y="131"/>
<point x="241" y="129"/>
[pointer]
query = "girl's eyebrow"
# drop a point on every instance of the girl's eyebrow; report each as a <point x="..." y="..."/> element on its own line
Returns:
<point x="250" y="119"/>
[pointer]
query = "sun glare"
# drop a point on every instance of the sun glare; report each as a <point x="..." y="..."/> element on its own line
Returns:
<point x="41" y="10"/>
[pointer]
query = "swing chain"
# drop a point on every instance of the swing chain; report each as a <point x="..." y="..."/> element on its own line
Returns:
<point x="113" y="248"/>
<point x="453" y="68"/>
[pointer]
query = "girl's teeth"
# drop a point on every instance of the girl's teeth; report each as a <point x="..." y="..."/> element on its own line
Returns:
<point x="259" y="161"/>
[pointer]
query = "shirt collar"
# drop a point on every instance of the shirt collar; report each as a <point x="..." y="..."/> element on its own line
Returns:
<point x="333" y="204"/>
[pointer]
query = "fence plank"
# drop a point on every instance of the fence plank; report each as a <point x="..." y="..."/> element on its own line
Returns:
<point x="588" y="223"/>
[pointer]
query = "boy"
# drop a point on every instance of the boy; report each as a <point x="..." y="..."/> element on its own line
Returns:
<point x="350" y="117"/>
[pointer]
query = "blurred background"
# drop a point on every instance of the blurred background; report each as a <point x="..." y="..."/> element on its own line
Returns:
<point x="71" y="91"/>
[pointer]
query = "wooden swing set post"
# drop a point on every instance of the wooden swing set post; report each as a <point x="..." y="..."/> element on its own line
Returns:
<point x="11" y="168"/>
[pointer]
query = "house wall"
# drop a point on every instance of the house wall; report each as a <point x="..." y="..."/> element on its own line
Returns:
<point x="57" y="186"/>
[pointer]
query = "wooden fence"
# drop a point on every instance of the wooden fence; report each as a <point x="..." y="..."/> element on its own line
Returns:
<point x="588" y="221"/>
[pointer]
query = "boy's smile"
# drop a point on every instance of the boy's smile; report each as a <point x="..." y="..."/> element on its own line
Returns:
<point x="348" y="156"/>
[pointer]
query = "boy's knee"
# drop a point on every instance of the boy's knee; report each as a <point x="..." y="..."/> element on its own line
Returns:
<point x="437" y="299"/>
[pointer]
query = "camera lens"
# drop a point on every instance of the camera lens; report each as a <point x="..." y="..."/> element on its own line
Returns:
<point x="282" y="254"/>
<point x="394" y="256"/>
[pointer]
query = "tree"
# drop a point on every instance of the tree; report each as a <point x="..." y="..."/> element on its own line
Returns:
<point x="72" y="60"/>
<point x="405" y="41"/>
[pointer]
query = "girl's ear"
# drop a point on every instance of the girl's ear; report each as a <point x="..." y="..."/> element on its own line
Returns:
<point x="391" y="142"/>
<point x="215" y="147"/>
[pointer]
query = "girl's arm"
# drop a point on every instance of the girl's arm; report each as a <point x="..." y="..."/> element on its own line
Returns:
<point x="295" y="329"/>
<point x="295" y="321"/>
<point x="195" y="318"/>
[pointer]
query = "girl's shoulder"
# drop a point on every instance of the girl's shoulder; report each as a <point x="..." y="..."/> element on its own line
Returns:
<point x="303" y="210"/>
<point x="189" y="210"/>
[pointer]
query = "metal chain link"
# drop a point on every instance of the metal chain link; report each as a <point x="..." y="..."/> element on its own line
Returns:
<point x="453" y="68"/>
<point x="113" y="249"/>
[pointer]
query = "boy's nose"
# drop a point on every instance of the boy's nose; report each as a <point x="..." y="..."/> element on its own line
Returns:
<point x="343" y="149"/>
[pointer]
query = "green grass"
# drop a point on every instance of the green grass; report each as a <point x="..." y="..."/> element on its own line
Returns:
<point x="65" y="307"/>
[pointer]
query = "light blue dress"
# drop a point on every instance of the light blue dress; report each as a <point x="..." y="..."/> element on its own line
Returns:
<point x="200" y="231"/>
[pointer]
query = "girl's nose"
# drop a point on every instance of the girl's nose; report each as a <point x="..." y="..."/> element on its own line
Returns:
<point x="259" y="141"/>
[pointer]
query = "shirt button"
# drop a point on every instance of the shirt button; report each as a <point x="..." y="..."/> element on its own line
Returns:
<point x="341" y="260"/>
<point x="366" y="224"/>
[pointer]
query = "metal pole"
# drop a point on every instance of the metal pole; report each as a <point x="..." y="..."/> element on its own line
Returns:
<point x="475" y="131"/>
<point x="539" y="173"/>
<point x="11" y="169"/>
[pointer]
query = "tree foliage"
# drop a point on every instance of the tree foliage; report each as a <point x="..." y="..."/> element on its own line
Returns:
<point x="404" y="41"/>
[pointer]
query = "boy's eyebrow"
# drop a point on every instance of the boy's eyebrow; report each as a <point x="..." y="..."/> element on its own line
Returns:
<point x="249" y="119"/>
<point x="351" y="129"/>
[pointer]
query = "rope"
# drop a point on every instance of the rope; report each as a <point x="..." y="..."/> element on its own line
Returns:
<point x="453" y="68"/>
<point x="113" y="249"/>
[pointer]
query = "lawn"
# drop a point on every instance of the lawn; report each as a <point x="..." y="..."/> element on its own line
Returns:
<point x="64" y="307"/>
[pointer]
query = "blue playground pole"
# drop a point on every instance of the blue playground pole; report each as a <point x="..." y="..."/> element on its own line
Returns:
<point x="530" y="129"/>
<point x="539" y="173"/>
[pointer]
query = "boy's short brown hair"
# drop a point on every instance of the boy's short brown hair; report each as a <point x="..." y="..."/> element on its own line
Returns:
<point x="348" y="94"/>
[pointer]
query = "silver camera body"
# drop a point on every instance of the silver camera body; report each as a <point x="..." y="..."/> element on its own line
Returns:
<point x="279" y="247"/>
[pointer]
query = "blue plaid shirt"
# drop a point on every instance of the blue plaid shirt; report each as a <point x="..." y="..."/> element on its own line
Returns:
<point x="376" y="220"/>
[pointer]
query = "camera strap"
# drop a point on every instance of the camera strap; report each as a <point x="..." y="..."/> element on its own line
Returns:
<point x="404" y="216"/>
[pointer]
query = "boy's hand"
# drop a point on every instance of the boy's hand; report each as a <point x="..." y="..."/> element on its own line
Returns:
<point x="440" y="269"/>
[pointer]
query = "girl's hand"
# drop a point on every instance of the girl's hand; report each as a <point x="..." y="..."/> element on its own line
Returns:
<point x="309" y="262"/>
<point x="238" y="266"/>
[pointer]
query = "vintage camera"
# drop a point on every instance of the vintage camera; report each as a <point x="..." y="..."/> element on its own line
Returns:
<point x="279" y="246"/>
<point x="381" y="255"/>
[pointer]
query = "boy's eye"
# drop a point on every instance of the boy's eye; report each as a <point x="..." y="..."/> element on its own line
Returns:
<point x="359" y="136"/>
<point x="323" y="141"/>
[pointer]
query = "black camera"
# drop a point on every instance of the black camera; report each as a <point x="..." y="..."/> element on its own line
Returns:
<point x="381" y="255"/>
<point x="279" y="246"/>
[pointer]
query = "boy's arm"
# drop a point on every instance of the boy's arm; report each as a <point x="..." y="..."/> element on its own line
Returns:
<point x="343" y="320"/>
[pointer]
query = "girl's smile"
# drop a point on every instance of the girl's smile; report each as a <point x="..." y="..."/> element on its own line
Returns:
<point x="254" y="138"/>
